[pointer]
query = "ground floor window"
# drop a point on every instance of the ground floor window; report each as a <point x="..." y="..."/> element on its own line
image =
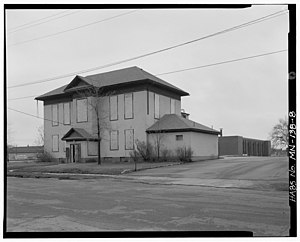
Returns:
<point x="55" y="146"/>
<point x="92" y="148"/>
<point x="114" y="140"/>
<point x="129" y="139"/>
<point x="179" y="137"/>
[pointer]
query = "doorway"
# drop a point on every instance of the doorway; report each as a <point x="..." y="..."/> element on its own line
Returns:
<point x="75" y="153"/>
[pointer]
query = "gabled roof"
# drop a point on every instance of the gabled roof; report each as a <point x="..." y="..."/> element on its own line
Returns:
<point x="129" y="75"/>
<point x="55" y="92"/>
<point x="77" y="82"/>
<point x="26" y="149"/>
<point x="78" y="134"/>
<point x="176" y="123"/>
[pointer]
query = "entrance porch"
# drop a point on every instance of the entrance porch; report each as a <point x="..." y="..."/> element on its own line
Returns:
<point x="80" y="146"/>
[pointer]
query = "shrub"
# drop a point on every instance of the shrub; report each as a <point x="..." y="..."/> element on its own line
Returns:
<point x="144" y="150"/>
<point x="184" y="154"/>
<point x="46" y="157"/>
<point x="166" y="155"/>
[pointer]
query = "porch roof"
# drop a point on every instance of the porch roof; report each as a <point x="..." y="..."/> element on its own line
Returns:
<point x="78" y="134"/>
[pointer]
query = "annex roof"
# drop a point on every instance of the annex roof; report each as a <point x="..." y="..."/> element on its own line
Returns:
<point x="118" y="77"/>
<point x="78" y="134"/>
<point x="176" y="123"/>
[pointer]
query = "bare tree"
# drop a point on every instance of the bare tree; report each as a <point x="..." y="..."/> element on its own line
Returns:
<point x="96" y="106"/>
<point x="9" y="140"/>
<point x="40" y="136"/>
<point x="279" y="134"/>
<point x="9" y="134"/>
<point x="158" y="138"/>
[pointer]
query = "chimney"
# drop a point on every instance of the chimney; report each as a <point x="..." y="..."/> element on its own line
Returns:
<point x="221" y="132"/>
<point x="184" y="114"/>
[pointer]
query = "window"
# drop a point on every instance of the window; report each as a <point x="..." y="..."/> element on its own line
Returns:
<point x="114" y="140"/>
<point x="55" y="147"/>
<point x="156" y="105"/>
<point x="67" y="113"/>
<point x="128" y="105"/>
<point x="129" y="133"/>
<point x="64" y="146"/>
<point x="82" y="110"/>
<point x="54" y="114"/>
<point x="113" y="107"/>
<point x="179" y="137"/>
<point x="172" y="104"/>
<point x="92" y="148"/>
<point x="147" y="101"/>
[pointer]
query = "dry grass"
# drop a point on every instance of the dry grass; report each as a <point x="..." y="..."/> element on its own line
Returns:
<point x="84" y="168"/>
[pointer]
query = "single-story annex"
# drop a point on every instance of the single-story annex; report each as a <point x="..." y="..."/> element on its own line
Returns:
<point x="240" y="146"/>
<point x="133" y="105"/>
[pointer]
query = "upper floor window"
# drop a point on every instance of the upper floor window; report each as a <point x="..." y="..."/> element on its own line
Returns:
<point x="128" y="105"/>
<point x="156" y="105"/>
<point x="67" y="113"/>
<point x="172" y="105"/>
<point x="113" y="107"/>
<point x="54" y="114"/>
<point x="82" y="110"/>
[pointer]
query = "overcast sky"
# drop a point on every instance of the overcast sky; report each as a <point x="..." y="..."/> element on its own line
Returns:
<point x="244" y="98"/>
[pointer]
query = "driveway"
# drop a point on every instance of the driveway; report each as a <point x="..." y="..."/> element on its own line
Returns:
<point x="240" y="172"/>
<point x="149" y="201"/>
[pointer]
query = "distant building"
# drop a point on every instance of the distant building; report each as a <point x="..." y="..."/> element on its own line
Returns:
<point x="25" y="152"/>
<point x="137" y="105"/>
<point x="239" y="146"/>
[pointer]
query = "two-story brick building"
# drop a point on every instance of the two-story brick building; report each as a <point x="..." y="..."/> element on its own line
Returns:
<point x="132" y="102"/>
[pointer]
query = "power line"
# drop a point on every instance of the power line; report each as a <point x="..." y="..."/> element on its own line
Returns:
<point x="37" y="20"/>
<point x="193" y="68"/>
<point x="220" y="63"/>
<point x="12" y="99"/>
<point x="72" y="29"/>
<point x="32" y="25"/>
<point x="28" y="114"/>
<point x="267" y="17"/>
<point x="68" y="30"/>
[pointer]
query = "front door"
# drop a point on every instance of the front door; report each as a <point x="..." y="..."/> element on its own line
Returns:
<point x="75" y="153"/>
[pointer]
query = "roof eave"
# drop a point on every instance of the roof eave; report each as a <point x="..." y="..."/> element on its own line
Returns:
<point x="173" y="89"/>
<point x="79" y="139"/>
<point x="183" y="130"/>
<point x="45" y="98"/>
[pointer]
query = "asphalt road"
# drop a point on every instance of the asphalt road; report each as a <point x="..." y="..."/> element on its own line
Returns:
<point x="224" y="195"/>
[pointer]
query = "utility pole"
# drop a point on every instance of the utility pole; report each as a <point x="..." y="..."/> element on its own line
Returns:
<point x="99" y="140"/>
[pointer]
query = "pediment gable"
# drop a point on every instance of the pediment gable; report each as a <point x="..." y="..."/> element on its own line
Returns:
<point x="77" y="82"/>
<point x="78" y="134"/>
